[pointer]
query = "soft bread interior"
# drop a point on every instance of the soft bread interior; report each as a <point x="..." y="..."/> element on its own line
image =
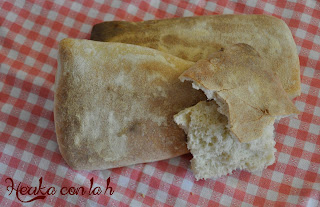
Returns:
<point x="215" y="151"/>
<point x="238" y="79"/>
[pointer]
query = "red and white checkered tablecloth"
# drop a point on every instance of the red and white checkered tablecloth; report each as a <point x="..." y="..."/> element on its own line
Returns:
<point x="29" y="36"/>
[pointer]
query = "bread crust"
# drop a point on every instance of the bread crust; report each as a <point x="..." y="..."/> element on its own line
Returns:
<point x="239" y="78"/>
<point x="114" y="104"/>
<point x="194" y="38"/>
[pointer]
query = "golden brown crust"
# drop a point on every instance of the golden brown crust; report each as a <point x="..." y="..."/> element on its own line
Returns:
<point x="239" y="77"/>
<point x="194" y="38"/>
<point x="114" y="104"/>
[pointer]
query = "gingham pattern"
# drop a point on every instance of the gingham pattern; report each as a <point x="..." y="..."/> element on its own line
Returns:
<point x="29" y="35"/>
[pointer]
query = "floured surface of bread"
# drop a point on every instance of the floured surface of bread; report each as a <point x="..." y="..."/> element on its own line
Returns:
<point x="217" y="153"/>
<point x="114" y="104"/>
<point x="249" y="94"/>
<point x="194" y="38"/>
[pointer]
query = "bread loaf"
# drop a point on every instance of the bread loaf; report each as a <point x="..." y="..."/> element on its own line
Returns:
<point x="114" y="104"/>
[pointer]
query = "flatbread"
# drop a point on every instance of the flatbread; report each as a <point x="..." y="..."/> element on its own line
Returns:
<point x="114" y="104"/>
<point x="248" y="93"/>
<point x="194" y="38"/>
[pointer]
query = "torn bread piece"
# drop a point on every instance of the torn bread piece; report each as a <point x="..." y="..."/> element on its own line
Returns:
<point x="247" y="92"/>
<point x="114" y="103"/>
<point x="215" y="151"/>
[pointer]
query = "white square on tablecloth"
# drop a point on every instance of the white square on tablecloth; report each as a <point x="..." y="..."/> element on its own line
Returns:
<point x="52" y="145"/>
<point x="30" y="61"/>
<point x="251" y="3"/>
<point x="3" y="168"/>
<point x="306" y="18"/>
<point x="69" y="21"/>
<point x="21" y="75"/>
<point x="186" y="185"/>
<point x="187" y="13"/>
<point x="6" y="108"/>
<point x="284" y="157"/>
<point x="76" y="6"/>
<point x="252" y="189"/>
<point x="314" y="129"/>
<point x="20" y="39"/>
<point x="48" y="105"/>
<point x="53" y="53"/>
<point x="172" y="9"/>
<point x="272" y="195"/>
<point x="28" y="24"/>
<point x="25" y="115"/>
<point x="116" y="4"/>
<point x="289" y="141"/>
<point x="93" y="13"/>
<point x="44" y="164"/>
<point x="161" y="196"/>
<point x="32" y="98"/>
<point x="34" y="139"/>
<point x="19" y="175"/>
<point x="312" y="202"/>
<point x="297" y="182"/>
<point x="17" y="132"/>
<point x="108" y="17"/>
<point x="26" y="156"/>
<point x="13" y="54"/>
<point x="311" y="4"/>
<point x="300" y="105"/>
<point x="148" y="170"/>
<point x="303" y="164"/>
<point x="269" y="8"/>
<point x="36" y="9"/>
<point x="277" y="176"/>
<point x="132" y="9"/>
<point x="38" y="81"/>
<point x="148" y="16"/>
<point x="61" y="171"/>
<point x="310" y="147"/>
<point x="225" y="200"/>
<point x="85" y="28"/>
<point x="227" y="11"/>
<point x="301" y="33"/>
<point x="287" y="13"/>
<point x="11" y="16"/>
<point x="174" y="161"/>
<point x="8" y="149"/>
<point x="232" y="182"/>
<point x="60" y="37"/>
<point x="43" y="123"/>
<point x="294" y="123"/>
<point x="309" y="72"/>
<point x="142" y="188"/>
<point x="314" y="55"/>
<point x="123" y="181"/>
<point x="211" y="6"/>
<point x="79" y="179"/>
<point x="168" y="177"/>
<point x="4" y="68"/>
<point x="305" y="88"/>
<point x="52" y="15"/>
<point x="206" y="193"/>
<point x="37" y="46"/>
<point x="15" y="92"/>
<point x="317" y="110"/>
<point x="45" y="31"/>
<point x="180" y="202"/>
<point x="135" y="203"/>
<point x="47" y="68"/>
